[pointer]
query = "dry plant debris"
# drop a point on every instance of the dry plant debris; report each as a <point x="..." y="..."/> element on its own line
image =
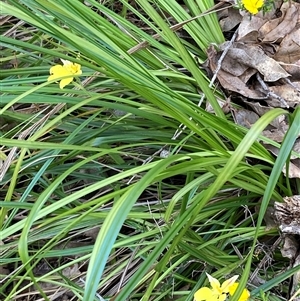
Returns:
<point x="287" y="217"/>
<point x="266" y="45"/>
<point x="261" y="68"/>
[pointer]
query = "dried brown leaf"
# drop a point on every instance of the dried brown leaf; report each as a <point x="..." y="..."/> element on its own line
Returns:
<point x="290" y="94"/>
<point x="289" y="48"/>
<point x="288" y="212"/>
<point x="254" y="56"/>
<point x="227" y="80"/>
<point x="268" y="27"/>
<point x="290" y="247"/>
<point x="245" y="118"/>
<point x="294" y="170"/>
<point x="276" y="134"/>
<point x="248" y="30"/>
<point x="285" y="27"/>
<point x="293" y="70"/>
<point x="278" y="122"/>
<point x="296" y="148"/>
<point x="232" y="19"/>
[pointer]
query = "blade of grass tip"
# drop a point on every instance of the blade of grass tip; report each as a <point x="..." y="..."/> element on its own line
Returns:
<point x="284" y="153"/>
<point x="112" y="225"/>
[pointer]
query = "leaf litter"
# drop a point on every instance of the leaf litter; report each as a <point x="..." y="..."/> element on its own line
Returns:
<point x="261" y="69"/>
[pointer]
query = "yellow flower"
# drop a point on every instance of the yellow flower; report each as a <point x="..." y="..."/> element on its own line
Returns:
<point x="219" y="292"/>
<point x="67" y="69"/>
<point x="253" y="6"/>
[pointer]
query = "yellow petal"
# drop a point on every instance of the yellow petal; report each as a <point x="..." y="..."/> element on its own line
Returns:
<point x="228" y="283"/>
<point x="215" y="284"/>
<point x="57" y="72"/>
<point x="222" y="297"/>
<point x="73" y="68"/>
<point x="233" y="288"/>
<point x="66" y="62"/>
<point x="64" y="82"/>
<point x="204" y="293"/>
<point x="245" y="294"/>
<point x="76" y="69"/>
<point x="253" y="5"/>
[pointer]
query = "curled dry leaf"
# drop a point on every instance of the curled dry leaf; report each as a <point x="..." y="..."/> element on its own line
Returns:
<point x="232" y="19"/>
<point x="254" y="56"/>
<point x="248" y="30"/>
<point x="289" y="48"/>
<point x="229" y="81"/>
<point x="287" y="24"/>
<point x="289" y="93"/>
<point x="293" y="69"/>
